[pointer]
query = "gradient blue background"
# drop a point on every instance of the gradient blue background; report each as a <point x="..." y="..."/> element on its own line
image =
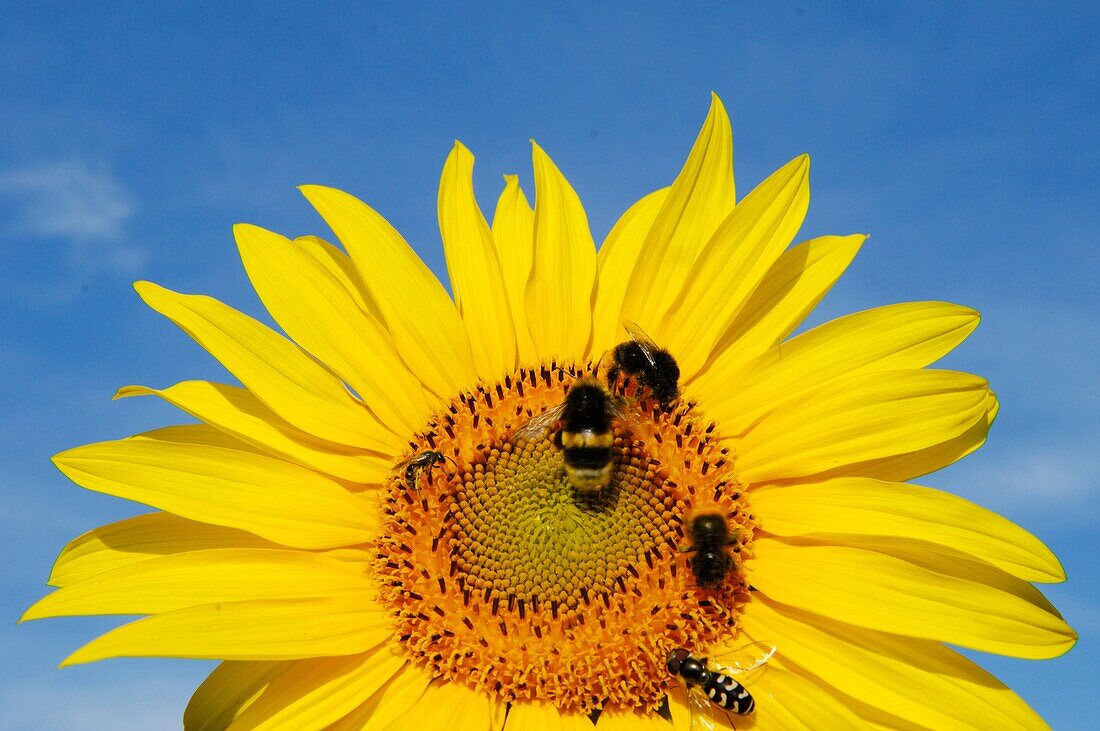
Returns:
<point x="963" y="138"/>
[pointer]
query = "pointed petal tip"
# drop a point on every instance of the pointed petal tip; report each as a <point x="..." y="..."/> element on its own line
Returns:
<point x="511" y="180"/>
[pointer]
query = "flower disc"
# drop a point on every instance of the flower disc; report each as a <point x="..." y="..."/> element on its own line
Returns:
<point x="503" y="573"/>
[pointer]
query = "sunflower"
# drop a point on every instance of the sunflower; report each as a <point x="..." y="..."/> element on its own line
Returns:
<point x="369" y="533"/>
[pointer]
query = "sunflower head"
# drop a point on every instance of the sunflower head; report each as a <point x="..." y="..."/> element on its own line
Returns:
<point x="592" y="488"/>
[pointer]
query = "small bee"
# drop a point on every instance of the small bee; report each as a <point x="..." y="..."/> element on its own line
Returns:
<point x="710" y="538"/>
<point x="710" y="681"/>
<point x="652" y="366"/>
<point x="585" y="437"/>
<point x="419" y="462"/>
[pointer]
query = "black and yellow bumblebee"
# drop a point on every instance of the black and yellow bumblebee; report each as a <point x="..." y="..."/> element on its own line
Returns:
<point x="710" y="539"/>
<point x="585" y="437"/>
<point x="652" y="366"/>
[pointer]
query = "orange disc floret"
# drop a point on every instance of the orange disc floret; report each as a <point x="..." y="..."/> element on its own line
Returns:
<point x="504" y="576"/>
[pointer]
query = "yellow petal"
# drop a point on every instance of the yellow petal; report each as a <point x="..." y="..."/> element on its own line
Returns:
<point x="256" y="630"/>
<point x="418" y="313"/>
<point x="907" y="466"/>
<point x="788" y="701"/>
<point x="136" y="539"/>
<point x="514" y="234"/>
<point x="700" y="198"/>
<point x="615" y="265"/>
<point x="387" y="703"/>
<point x="792" y="287"/>
<point x="892" y="673"/>
<point x="474" y="268"/>
<point x="237" y="412"/>
<point x="615" y="720"/>
<point x="451" y="705"/>
<point x="318" y="312"/>
<point x="526" y="716"/>
<point x="934" y="596"/>
<point x="732" y="263"/>
<point x="861" y="417"/>
<point x="227" y="691"/>
<point x="895" y="337"/>
<point x="210" y="483"/>
<point x="863" y="506"/>
<point x="179" y="580"/>
<point x="315" y="693"/>
<point x="340" y="268"/>
<point x="563" y="272"/>
<point x="290" y="382"/>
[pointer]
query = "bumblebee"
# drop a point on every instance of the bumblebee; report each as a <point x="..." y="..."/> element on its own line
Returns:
<point x="653" y="367"/>
<point x="419" y="462"/>
<point x="710" y="681"/>
<point x="710" y="540"/>
<point x="585" y="437"/>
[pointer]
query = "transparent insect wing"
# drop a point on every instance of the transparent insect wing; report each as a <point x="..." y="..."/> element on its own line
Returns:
<point x="539" y="425"/>
<point x="400" y="466"/>
<point x="743" y="659"/>
<point x="649" y="348"/>
<point x="705" y="716"/>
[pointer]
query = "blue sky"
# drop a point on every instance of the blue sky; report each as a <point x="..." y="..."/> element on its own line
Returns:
<point x="963" y="138"/>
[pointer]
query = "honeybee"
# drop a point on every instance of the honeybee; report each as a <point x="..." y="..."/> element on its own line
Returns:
<point x="419" y="462"/>
<point x="710" y="681"/>
<point x="585" y="437"/>
<point x="710" y="540"/>
<point x="652" y="366"/>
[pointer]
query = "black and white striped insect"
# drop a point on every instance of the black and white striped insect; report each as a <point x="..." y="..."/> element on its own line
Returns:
<point x="710" y="681"/>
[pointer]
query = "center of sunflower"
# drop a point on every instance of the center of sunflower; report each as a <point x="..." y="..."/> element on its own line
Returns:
<point x="505" y="576"/>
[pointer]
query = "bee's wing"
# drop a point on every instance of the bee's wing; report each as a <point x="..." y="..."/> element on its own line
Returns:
<point x="538" y="426"/>
<point x="743" y="659"/>
<point x="400" y="466"/>
<point x="649" y="348"/>
<point x="704" y="714"/>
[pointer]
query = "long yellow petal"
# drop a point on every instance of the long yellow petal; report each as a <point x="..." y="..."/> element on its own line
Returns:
<point x="789" y="291"/>
<point x="615" y="720"/>
<point x="732" y="263"/>
<point x="861" y="417"/>
<point x="179" y="580"/>
<point x="894" y="337"/>
<point x="933" y="596"/>
<point x="514" y="234"/>
<point x="205" y="481"/>
<point x="526" y="716"/>
<point x="451" y="705"/>
<point x="841" y="506"/>
<point x="896" y="674"/>
<point x="615" y="265"/>
<point x="290" y="382"/>
<point x="930" y="459"/>
<point x="257" y="630"/>
<point x="700" y="198"/>
<point x="475" y="269"/>
<point x="418" y="313"/>
<point x="141" y="537"/>
<point x="227" y="691"/>
<point x="387" y="703"/>
<point x="340" y="268"/>
<point x="563" y="272"/>
<point x="788" y="701"/>
<point x="319" y="314"/>
<point x="315" y="693"/>
<point x="236" y="411"/>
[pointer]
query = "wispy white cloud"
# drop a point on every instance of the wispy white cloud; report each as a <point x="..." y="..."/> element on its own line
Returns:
<point x="85" y="208"/>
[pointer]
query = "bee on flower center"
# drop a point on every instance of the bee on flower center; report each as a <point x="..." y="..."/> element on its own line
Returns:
<point x="710" y="541"/>
<point x="584" y="435"/>
<point x="653" y="367"/>
<point x="418" y="463"/>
